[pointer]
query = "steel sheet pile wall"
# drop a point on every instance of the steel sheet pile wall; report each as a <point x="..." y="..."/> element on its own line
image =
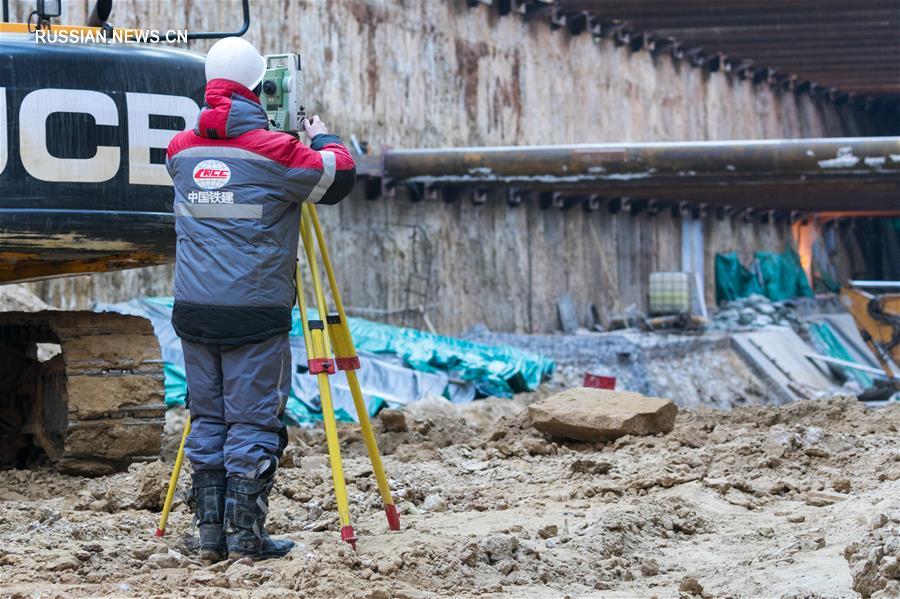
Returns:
<point x="830" y="46"/>
<point x="434" y="73"/>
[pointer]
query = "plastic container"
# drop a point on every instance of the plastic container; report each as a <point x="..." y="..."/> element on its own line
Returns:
<point x="670" y="292"/>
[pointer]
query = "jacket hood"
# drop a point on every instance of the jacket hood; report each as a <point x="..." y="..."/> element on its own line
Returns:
<point x="230" y="110"/>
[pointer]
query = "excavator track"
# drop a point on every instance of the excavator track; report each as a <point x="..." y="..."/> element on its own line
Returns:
<point x="93" y="408"/>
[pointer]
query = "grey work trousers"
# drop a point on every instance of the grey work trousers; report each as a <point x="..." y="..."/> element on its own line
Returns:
<point x="237" y="396"/>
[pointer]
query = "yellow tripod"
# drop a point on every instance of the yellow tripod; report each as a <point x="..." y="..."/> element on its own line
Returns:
<point x="328" y="345"/>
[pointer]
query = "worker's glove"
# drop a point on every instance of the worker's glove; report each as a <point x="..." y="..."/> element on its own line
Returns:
<point x="314" y="126"/>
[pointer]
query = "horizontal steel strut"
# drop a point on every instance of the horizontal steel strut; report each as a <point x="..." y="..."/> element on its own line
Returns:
<point x="859" y="173"/>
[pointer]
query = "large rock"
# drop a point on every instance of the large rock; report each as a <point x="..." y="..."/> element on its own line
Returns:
<point x="600" y="415"/>
<point x="393" y="420"/>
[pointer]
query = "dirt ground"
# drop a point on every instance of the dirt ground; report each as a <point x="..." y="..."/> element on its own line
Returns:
<point x="759" y="501"/>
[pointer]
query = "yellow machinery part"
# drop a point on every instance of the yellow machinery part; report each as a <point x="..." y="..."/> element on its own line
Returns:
<point x="878" y="334"/>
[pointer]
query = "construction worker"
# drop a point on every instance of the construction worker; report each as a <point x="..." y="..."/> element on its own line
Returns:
<point x="238" y="189"/>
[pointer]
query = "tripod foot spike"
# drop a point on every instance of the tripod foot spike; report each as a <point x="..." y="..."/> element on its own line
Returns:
<point x="392" y="516"/>
<point x="348" y="536"/>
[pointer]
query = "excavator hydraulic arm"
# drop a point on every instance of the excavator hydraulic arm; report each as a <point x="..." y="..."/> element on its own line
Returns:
<point x="878" y="320"/>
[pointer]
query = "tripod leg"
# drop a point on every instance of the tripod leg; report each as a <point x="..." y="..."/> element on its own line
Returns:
<point x="173" y="481"/>
<point x="301" y="305"/>
<point x="348" y="361"/>
<point x="334" y="457"/>
<point x="322" y="365"/>
<point x="372" y="447"/>
<point x="318" y="293"/>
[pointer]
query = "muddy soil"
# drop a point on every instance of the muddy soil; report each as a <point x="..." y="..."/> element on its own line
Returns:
<point x="789" y="501"/>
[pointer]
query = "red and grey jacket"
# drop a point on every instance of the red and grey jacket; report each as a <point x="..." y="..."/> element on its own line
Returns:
<point x="238" y="189"/>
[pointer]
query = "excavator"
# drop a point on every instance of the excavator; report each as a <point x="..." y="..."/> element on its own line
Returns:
<point x="83" y="133"/>
<point x="877" y="316"/>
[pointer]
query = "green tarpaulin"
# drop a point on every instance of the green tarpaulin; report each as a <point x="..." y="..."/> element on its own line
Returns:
<point x="733" y="279"/>
<point x="495" y="370"/>
<point x="777" y="276"/>
<point x="826" y="342"/>
<point x="782" y="276"/>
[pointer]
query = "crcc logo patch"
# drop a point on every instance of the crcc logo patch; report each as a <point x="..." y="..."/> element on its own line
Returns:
<point x="211" y="174"/>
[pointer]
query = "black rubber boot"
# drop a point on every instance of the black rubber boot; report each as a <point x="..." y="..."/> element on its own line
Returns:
<point x="208" y="496"/>
<point x="246" y="507"/>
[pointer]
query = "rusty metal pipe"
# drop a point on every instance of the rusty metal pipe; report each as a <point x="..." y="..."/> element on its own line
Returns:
<point x="637" y="164"/>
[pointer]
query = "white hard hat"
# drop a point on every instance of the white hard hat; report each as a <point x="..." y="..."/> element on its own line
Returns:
<point x="235" y="59"/>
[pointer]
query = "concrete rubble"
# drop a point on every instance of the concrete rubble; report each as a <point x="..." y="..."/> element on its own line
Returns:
<point x="691" y="370"/>
<point x="754" y="352"/>
<point x="757" y="311"/>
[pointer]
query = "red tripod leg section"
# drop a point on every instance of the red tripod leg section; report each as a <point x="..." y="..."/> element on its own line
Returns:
<point x="348" y="536"/>
<point x="393" y="517"/>
<point x="319" y="365"/>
